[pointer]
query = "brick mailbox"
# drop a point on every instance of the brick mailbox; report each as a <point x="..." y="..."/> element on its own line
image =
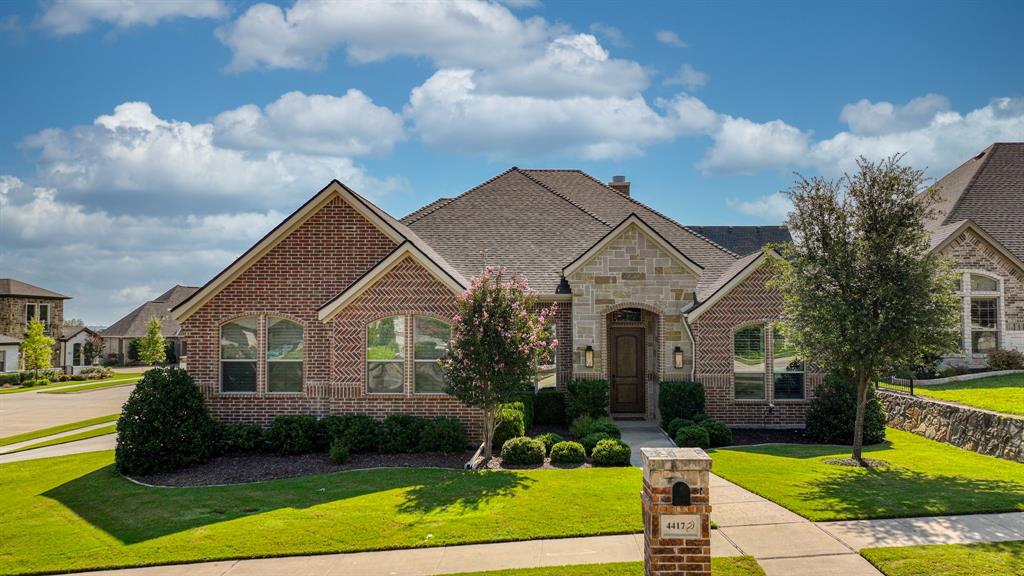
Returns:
<point x="677" y="524"/>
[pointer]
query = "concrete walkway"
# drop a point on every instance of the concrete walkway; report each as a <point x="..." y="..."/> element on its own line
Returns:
<point x="28" y="411"/>
<point x="105" y="442"/>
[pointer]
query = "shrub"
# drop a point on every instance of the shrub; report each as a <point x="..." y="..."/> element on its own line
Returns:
<point x="526" y="400"/>
<point x="30" y="383"/>
<point x="831" y="415"/>
<point x="568" y="453"/>
<point x="164" y="425"/>
<point x="97" y="373"/>
<point x="295" y="434"/>
<point x="12" y="378"/>
<point x="693" y="437"/>
<point x="611" y="452"/>
<point x="701" y="418"/>
<point x="1006" y="360"/>
<point x="339" y="451"/>
<point x="585" y="426"/>
<point x="680" y="400"/>
<point x="549" y="407"/>
<point x="719" y="434"/>
<point x="237" y="438"/>
<point x="522" y="451"/>
<point x="508" y="424"/>
<point x="549" y="440"/>
<point x="443" y="434"/>
<point x="360" y="432"/>
<point x="588" y="398"/>
<point x="676" y="424"/>
<point x="591" y="440"/>
<point x="401" y="434"/>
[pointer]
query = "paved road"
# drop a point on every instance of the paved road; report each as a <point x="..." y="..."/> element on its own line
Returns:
<point x="28" y="411"/>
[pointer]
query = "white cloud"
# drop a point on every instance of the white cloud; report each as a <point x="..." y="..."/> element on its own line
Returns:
<point x="670" y="38"/>
<point x="135" y="294"/>
<point x="743" y="146"/>
<point x="771" y="208"/>
<point x="67" y="17"/>
<point x="873" y="118"/>
<point x="690" y="115"/>
<point x="9" y="183"/>
<point x="350" y="125"/>
<point x="609" y="34"/>
<point x="688" y="77"/>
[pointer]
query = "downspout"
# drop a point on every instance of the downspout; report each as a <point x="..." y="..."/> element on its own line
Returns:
<point x="693" y="348"/>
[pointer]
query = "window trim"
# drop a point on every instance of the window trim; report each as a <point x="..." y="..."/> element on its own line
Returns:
<point x="732" y="360"/>
<point x="267" y="361"/>
<point x="403" y="361"/>
<point x="802" y="372"/>
<point x="967" y="294"/>
<point x="221" y="361"/>
<point x="415" y="361"/>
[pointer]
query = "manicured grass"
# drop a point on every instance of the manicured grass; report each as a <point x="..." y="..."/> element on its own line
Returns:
<point x="925" y="478"/>
<point x="101" y="431"/>
<point x="998" y="393"/>
<point x="111" y="383"/>
<point x="76" y="513"/>
<point x="1003" y="558"/>
<point x="26" y="436"/>
<point x="735" y="566"/>
<point x="80" y="384"/>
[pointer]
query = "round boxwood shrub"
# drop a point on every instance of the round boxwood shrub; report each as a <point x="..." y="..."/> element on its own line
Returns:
<point x="549" y="407"/>
<point x="831" y="415"/>
<point x="693" y="437"/>
<point x="701" y="418"/>
<point x="676" y="424"/>
<point x="164" y="425"/>
<point x="611" y="452"/>
<point x="509" y="423"/>
<point x="586" y="425"/>
<point x="568" y="453"/>
<point x="295" y="434"/>
<point x="680" y="400"/>
<point x="360" y="432"/>
<point x="339" y="451"/>
<point x="549" y="440"/>
<point x="443" y="434"/>
<point x="239" y="438"/>
<point x="522" y="451"/>
<point x="401" y="434"/>
<point x="590" y="440"/>
<point x="719" y="434"/>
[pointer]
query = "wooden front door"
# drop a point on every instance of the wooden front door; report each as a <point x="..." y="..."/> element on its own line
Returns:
<point x="626" y="368"/>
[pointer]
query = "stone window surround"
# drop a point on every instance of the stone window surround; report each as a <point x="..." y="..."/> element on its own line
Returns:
<point x="409" y="361"/>
<point x="769" y="366"/>
<point x="965" y="294"/>
<point x="261" y="354"/>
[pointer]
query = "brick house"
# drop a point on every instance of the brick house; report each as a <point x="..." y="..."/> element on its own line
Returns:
<point x="117" y="337"/>
<point x="20" y="302"/>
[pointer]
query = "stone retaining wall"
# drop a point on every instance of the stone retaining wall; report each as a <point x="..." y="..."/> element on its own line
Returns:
<point x="969" y="428"/>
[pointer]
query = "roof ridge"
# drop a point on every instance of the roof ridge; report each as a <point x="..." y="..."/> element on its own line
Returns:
<point x="988" y="153"/>
<point x="564" y="197"/>
<point x="454" y="198"/>
<point x="425" y="210"/>
<point x="672" y="220"/>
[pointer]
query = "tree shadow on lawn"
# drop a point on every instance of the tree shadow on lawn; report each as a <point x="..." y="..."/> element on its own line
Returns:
<point x="133" y="513"/>
<point x="802" y="451"/>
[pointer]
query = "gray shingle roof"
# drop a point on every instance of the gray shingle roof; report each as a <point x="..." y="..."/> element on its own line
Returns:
<point x="988" y="189"/>
<point x="12" y="287"/>
<point x="744" y="239"/>
<point x="134" y="324"/>
<point x="713" y="280"/>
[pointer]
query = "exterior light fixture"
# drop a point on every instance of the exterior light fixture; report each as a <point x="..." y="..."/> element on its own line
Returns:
<point x="588" y="357"/>
<point x="677" y="357"/>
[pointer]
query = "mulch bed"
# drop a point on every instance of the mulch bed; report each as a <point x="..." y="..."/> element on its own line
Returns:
<point x="748" y="436"/>
<point x="261" y="467"/>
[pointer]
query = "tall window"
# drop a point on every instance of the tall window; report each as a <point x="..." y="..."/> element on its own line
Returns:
<point x="385" y="356"/>
<point x="984" y="309"/>
<point x="749" y="363"/>
<point x="787" y="369"/>
<point x="431" y="341"/>
<point x="547" y="368"/>
<point x="238" y="343"/>
<point x="76" y="354"/>
<point x="284" y="355"/>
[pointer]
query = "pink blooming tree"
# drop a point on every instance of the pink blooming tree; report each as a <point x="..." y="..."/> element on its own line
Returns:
<point x="497" y="340"/>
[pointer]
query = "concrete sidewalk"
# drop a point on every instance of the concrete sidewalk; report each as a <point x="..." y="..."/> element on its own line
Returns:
<point x="97" y="443"/>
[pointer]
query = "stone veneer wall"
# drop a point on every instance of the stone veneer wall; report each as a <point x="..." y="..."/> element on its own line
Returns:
<point x="12" y="315"/>
<point x="962" y="426"/>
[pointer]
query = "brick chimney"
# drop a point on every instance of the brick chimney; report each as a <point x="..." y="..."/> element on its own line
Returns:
<point x="620" y="185"/>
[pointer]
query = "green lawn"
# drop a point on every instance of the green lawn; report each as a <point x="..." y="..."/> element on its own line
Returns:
<point x="101" y="431"/>
<point x="1002" y="558"/>
<point x="736" y="566"/>
<point x="111" y="383"/>
<point x="80" y="384"/>
<point x="926" y="478"/>
<point x="26" y="436"/>
<point x="997" y="393"/>
<point x="76" y="513"/>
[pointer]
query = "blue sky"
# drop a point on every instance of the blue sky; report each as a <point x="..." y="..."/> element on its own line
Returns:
<point x="149" y="144"/>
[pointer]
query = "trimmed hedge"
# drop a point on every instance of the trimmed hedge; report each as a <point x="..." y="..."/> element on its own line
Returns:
<point x="339" y="451"/>
<point x="676" y="424"/>
<point x="693" y="437"/>
<point x="611" y="452"/>
<point x="549" y="440"/>
<point x="568" y="453"/>
<point x="526" y="404"/>
<point x="522" y="451"/>
<point x="831" y="415"/>
<point x="591" y="440"/>
<point x="401" y="434"/>
<point x="443" y="434"/>
<point x="509" y="424"/>
<point x="238" y="438"/>
<point x="586" y="425"/>
<point x="549" y="407"/>
<point x="588" y="398"/>
<point x="296" y="434"/>
<point x="719" y="434"/>
<point x="360" y="432"/>
<point x="680" y="400"/>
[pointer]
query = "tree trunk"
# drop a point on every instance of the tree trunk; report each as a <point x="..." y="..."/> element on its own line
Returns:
<point x="488" y="432"/>
<point x="858" y="422"/>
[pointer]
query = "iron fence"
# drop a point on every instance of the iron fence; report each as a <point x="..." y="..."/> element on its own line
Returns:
<point x="895" y="384"/>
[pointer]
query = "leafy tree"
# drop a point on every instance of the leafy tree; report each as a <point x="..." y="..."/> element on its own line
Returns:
<point x="497" y="340"/>
<point x="863" y="294"/>
<point x="92" y="349"/>
<point x="152" y="346"/>
<point x="37" y="347"/>
<point x="73" y="323"/>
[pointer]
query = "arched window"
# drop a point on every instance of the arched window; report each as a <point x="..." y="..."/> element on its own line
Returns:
<point x="284" y="355"/>
<point x="749" y="363"/>
<point x="385" y="356"/>
<point x="430" y="343"/>
<point x="238" y="344"/>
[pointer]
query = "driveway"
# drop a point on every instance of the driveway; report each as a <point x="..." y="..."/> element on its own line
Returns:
<point x="28" y="411"/>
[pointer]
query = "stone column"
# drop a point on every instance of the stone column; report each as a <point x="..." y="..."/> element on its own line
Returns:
<point x="677" y="511"/>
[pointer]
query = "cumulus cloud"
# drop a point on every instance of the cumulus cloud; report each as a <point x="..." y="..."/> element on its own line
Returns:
<point x="743" y="146"/>
<point x="670" y="38"/>
<point x="67" y="17"/>
<point x="609" y="34"/>
<point x="135" y="294"/>
<point x="688" y="77"/>
<point x="875" y="118"/>
<point x="771" y="208"/>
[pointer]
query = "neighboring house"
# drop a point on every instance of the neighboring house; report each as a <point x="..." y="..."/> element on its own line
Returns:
<point x="70" y="347"/>
<point x="118" y="336"/>
<point x="339" y="308"/>
<point x="980" y="225"/>
<point x="10" y="350"/>
<point x="21" y="301"/>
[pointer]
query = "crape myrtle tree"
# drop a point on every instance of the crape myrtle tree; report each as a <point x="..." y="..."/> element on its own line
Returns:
<point x="152" y="346"/>
<point x="497" y="340"/>
<point x="862" y="293"/>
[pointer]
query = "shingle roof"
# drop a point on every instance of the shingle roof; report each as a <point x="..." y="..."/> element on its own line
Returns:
<point x="988" y="189"/>
<point x="134" y="324"/>
<point x="537" y="221"/>
<point x="744" y="239"/>
<point x="69" y="332"/>
<point x="12" y="287"/>
<point x="713" y="281"/>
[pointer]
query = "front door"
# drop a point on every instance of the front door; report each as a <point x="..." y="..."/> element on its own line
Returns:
<point x="626" y="349"/>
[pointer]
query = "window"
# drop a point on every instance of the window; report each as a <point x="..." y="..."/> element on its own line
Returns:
<point x="627" y="315"/>
<point x="749" y="363"/>
<point x="984" y="324"/>
<point x="385" y="356"/>
<point x="238" y="344"/>
<point x="30" y="312"/>
<point x="981" y="283"/>
<point x="76" y="354"/>
<point x="547" y="368"/>
<point x="284" y="355"/>
<point x="787" y="369"/>
<point x="431" y="338"/>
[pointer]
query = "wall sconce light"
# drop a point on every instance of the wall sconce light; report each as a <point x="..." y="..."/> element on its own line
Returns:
<point x="588" y="357"/>
<point x="677" y="357"/>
